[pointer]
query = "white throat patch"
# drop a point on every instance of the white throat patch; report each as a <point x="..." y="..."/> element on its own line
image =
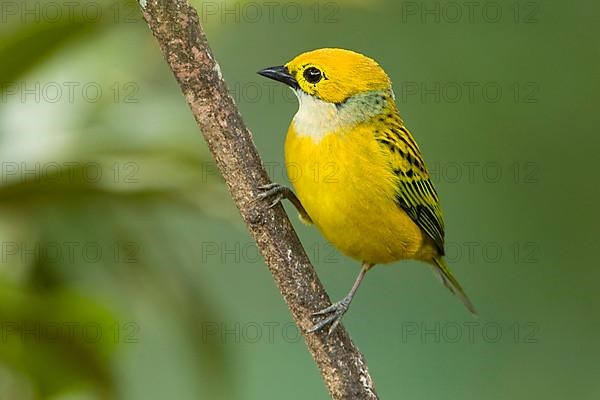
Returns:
<point x="315" y="118"/>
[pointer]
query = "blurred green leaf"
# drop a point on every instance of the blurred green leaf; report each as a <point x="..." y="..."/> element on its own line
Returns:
<point x="29" y="45"/>
<point x="137" y="227"/>
<point x="44" y="336"/>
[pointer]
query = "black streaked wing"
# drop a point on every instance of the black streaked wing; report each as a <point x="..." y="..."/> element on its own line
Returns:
<point x="420" y="205"/>
<point x="416" y="194"/>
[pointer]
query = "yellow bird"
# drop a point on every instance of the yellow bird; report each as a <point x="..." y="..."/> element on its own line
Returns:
<point x="358" y="173"/>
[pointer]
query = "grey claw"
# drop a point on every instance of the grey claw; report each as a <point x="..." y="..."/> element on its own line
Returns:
<point x="337" y="311"/>
<point x="334" y="325"/>
<point x="270" y="190"/>
<point x="276" y="201"/>
<point x="266" y="191"/>
<point x="326" y="310"/>
<point x="268" y="186"/>
<point x="263" y="195"/>
<point x="321" y="324"/>
<point x="335" y="318"/>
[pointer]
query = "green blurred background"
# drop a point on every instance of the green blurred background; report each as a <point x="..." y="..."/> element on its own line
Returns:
<point x="127" y="273"/>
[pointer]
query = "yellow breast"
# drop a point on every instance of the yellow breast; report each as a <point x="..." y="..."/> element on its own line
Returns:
<point x="345" y="183"/>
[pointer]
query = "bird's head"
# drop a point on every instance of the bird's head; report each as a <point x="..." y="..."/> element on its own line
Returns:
<point x="337" y="90"/>
<point x="331" y="75"/>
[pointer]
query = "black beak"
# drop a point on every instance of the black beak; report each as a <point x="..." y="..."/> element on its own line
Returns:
<point x="280" y="74"/>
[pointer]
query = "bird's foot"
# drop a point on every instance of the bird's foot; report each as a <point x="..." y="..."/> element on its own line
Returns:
<point x="279" y="192"/>
<point x="273" y="191"/>
<point x="335" y="313"/>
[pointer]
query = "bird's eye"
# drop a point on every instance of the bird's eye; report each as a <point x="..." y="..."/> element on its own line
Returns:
<point x="312" y="75"/>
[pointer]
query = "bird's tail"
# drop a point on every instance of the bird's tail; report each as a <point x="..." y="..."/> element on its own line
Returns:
<point x="442" y="270"/>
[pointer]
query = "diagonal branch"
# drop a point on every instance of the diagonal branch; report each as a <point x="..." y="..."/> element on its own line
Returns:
<point x="175" y="25"/>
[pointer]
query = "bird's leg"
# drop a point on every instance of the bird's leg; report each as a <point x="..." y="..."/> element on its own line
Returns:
<point x="278" y="192"/>
<point x="337" y="310"/>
